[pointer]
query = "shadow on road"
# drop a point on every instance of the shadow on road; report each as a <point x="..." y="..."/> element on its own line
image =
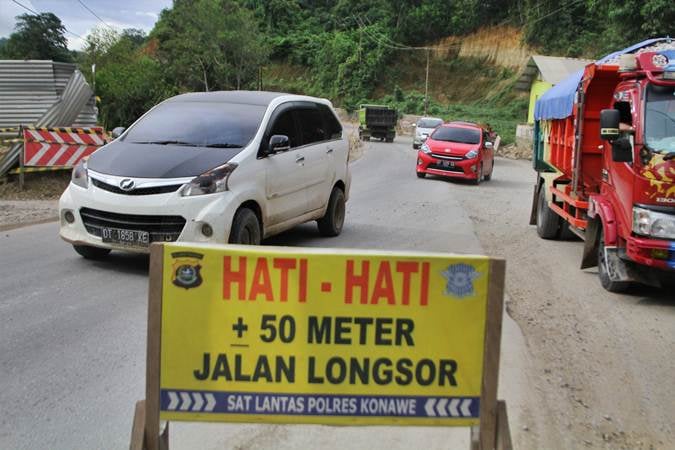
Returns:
<point x="644" y="295"/>
<point x="129" y="263"/>
<point x="656" y="297"/>
<point x="495" y="183"/>
<point x="651" y="296"/>
<point x="296" y="236"/>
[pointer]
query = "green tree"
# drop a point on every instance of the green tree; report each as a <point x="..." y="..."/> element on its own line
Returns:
<point x="209" y="44"/>
<point x="128" y="80"/>
<point x="128" y="89"/>
<point x="38" y="37"/>
<point x="104" y="46"/>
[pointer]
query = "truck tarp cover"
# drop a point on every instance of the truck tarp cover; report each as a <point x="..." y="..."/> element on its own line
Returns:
<point x="558" y="102"/>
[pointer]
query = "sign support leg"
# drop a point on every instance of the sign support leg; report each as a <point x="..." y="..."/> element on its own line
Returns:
<point x="503" y="430"/>
<point x="475" y="438"/>
<point x="493" y="336"/>
<point x="138" y="428"/>
<point x="152" y="394"/>
<point x="21" y="156"/>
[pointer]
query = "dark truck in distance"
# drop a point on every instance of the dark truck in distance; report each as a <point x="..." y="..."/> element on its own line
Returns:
<point x="377" y="121"/>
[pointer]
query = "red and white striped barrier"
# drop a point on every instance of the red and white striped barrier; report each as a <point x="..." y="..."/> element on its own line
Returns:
<point x="60" y="147"/>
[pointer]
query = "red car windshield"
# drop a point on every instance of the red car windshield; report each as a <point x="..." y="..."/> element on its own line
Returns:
<point x="457" y="134"/>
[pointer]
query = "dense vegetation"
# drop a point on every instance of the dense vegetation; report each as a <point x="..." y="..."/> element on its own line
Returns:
<point x="344" y="49"/>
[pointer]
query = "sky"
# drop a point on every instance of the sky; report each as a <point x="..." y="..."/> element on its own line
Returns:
<point x="119" y="14"/>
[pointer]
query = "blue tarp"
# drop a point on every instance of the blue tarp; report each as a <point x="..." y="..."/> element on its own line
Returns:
<point x="558" y="102"/>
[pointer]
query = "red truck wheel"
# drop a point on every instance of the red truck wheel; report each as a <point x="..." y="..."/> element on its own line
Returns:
<point x="548" y="222"/>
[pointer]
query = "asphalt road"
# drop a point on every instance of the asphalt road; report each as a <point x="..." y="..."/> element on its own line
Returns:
<point x="72" y="332"/>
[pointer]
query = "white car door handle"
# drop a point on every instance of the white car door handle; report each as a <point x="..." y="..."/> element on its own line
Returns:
<point x="299" y="159"/>
<point x="330" y="150"/>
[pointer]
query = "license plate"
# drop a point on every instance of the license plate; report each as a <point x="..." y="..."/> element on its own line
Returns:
<point x="447" y="163"/>
<point x="134" y="238"/>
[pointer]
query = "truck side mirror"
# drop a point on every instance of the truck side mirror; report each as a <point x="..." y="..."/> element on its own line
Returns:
<point x="609" y="124"/>
<point x="622" y="150"/>
<point x="278" y="143"/>
<point x="117" y="132"/>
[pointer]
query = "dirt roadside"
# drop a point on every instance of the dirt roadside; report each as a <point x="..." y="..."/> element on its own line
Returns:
<point x="36" y="203"/>
<point x="602" y="363"/>
<point x="19" y="213"/>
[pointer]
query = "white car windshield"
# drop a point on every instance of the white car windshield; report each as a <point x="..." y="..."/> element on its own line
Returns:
<point x="457" y="134"/>
<point x="429" y="123"/>
<point x="203" y="124"/>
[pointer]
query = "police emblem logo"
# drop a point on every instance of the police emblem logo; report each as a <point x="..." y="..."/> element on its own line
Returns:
<point x="459" y="280"/>
<point x="186" y="269"/>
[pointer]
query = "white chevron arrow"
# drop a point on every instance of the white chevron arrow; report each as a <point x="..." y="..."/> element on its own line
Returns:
<point x="452" y="407"/>
<point x="38" y="155"/>
<point x="187" y="401"/>
<point x="210" y="402"/>
<point x="56" y="137"/>
<point x="440" y="407"/>
<point x="429" y="407"/>
<point x="173" y="400"/>
<point x="199" y="401"/>
<point x="76" y="155"/>
<point x="466" y="404"/>
<point x="59" y="153"/>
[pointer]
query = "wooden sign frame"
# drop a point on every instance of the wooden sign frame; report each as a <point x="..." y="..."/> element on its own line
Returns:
<point x="493" y="433"/>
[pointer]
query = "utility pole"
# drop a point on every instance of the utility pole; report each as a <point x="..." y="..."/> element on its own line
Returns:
<point x="360" y="42"/>
<point x="426" y="85"/>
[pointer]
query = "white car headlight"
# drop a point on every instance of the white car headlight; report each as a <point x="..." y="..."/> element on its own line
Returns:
<point x="472" y="154"/>
<point x="212" y="181"/>
<point x="425" y="148"/>
<point x="652" y="223"/>
<point x="80" y="176"/>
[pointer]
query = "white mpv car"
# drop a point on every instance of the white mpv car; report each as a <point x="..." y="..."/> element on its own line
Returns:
<point x="423" y="129"/>
<point x="211" y="167"/>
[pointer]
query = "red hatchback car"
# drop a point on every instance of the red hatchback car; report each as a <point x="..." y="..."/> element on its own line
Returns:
<point x="457" y="150"/>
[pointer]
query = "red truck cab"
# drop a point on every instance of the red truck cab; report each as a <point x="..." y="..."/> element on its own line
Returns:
<point x="606" y="172"/>
<point x="457" y="150"/>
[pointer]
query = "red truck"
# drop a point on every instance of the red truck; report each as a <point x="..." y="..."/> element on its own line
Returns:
<point x="604" y="152"/>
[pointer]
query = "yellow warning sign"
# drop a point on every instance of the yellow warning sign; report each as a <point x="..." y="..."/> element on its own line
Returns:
<point x="298" y="335"/>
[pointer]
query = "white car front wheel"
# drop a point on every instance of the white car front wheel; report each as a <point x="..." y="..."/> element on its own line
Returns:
<point x="331" y="223"/>
<point x="245" y="228"/>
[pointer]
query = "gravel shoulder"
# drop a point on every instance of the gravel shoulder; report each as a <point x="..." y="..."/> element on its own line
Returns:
<point x="601" y="364"/>
<point x="18" y="213"/>
<point x="36" y="203"/>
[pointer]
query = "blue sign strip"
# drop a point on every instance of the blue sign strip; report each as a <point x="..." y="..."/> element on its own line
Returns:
<point x="258" y="403"/>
